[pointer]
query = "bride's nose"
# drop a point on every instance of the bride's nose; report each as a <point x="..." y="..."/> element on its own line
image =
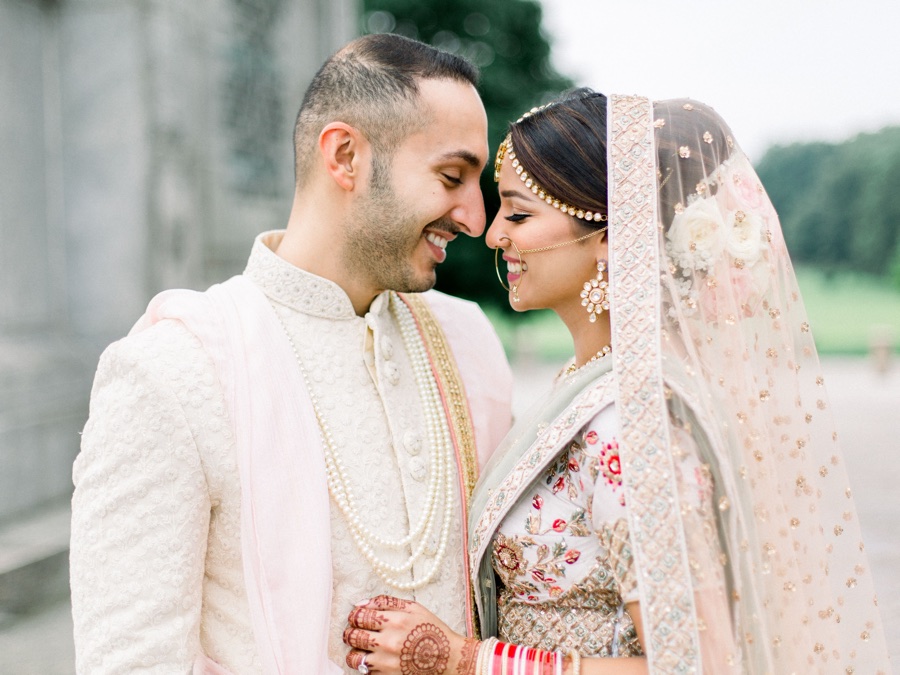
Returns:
<point x="496" y="237"/>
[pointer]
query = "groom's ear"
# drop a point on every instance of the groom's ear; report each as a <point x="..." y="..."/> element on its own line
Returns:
<point x="346" y="154"/>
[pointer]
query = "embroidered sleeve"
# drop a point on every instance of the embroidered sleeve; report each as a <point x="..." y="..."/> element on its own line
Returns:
<point x="140" y="516"/>
<point x="615" y="541"/>
<point x="609" y="515"/>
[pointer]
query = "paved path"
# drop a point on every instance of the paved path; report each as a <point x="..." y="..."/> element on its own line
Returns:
<point x="867" y="410"/>
<point x="40" y="644"/>
<point x="867" y="414"/>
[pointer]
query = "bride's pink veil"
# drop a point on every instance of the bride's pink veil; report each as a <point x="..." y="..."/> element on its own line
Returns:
<point x="714" y="359"/>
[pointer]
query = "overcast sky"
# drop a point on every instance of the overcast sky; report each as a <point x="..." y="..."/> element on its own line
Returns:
<point x="776" y="70"/>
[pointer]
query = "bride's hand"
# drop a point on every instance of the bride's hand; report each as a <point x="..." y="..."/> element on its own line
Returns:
<point x="401" y="636"/>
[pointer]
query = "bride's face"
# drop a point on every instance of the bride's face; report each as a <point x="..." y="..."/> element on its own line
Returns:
<point x="546" y="279"/>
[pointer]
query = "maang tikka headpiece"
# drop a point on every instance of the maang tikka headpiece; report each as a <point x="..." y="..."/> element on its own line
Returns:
<point x="506" y="150"/>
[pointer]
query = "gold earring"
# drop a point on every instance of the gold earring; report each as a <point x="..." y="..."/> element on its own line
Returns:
<point x="515" y="287"/>
<point x="595" y="296"/>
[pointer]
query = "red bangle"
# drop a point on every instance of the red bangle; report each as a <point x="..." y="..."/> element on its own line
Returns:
<point x="500" y="652"/>
<point x="507" y="656"/>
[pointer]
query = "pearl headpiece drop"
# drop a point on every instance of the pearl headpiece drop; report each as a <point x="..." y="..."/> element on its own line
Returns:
<point x="506" y="150"/>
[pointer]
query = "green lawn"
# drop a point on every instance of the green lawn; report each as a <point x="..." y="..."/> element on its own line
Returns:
<point x="846" y="311"/>
<point x="539" y="333"/>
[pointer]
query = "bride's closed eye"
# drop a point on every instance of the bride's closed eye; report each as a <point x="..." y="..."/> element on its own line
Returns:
<point x="517" y="217"/>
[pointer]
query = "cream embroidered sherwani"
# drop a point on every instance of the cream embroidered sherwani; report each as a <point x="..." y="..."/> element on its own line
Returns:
<point x="156" y="552"/>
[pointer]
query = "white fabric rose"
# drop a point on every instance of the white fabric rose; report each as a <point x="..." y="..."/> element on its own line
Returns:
<point x="697" y="235"/>
<point x="745" y="236"/>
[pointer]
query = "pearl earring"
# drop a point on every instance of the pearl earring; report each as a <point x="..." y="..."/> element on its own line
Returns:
<point x="595" y="296"/>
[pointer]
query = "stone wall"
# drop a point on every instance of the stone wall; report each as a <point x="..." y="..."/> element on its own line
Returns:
<point x="143" y="143"/>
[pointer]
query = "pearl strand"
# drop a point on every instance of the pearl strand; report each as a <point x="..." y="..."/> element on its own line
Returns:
<point x="440" y="469"/>
<point x="358" y="532"/>
<point x="436" y="422"/>
<point x="424" y="377"/>
<point x="440" y="492"/>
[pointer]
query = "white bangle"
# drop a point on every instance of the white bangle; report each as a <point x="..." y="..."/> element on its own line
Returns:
<point x="485" y="652"/>
<point x="576" y="663"/>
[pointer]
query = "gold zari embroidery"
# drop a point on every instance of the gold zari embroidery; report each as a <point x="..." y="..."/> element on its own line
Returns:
<point x="459" y="419"/>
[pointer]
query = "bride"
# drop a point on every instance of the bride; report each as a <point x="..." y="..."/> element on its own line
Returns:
<point x="678" y="501"/>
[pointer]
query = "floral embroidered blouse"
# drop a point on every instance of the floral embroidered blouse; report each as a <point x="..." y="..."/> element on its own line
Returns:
<point x="552" y="539"/>
<point x="562" y="554"/>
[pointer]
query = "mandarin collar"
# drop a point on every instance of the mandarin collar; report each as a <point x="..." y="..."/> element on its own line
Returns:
<point x="301" y="290"/>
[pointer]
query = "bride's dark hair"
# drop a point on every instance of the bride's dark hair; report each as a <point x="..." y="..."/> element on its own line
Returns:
<point x="563" y="147"/>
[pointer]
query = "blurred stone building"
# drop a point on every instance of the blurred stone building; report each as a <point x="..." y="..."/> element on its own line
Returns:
<point x="143" y="144"/>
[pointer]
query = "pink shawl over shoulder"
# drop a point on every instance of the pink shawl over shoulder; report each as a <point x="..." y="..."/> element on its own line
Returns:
<point x="284" y="494"/>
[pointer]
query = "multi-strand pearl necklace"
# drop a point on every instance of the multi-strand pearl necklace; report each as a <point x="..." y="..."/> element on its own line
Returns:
<point x="441" y="488"/>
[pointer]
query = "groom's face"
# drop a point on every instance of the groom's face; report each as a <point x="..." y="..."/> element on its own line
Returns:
<point x="426" y="194"/>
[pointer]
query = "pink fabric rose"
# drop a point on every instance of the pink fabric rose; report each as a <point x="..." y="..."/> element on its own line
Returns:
<point x="745" y="192"/>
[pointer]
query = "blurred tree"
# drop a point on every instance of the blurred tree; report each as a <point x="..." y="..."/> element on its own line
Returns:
<point x="505" y="40"/>
<point x="839" y="203"/>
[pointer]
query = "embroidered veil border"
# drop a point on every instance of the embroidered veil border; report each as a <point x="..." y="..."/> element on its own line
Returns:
<point x="711" y="341"/>
<point x="656" y="531"/>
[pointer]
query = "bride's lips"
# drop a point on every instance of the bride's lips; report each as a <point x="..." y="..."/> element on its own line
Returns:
<point x="514" y="269"/>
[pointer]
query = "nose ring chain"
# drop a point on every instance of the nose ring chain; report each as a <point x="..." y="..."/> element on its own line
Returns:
<point x="515" y="287"/>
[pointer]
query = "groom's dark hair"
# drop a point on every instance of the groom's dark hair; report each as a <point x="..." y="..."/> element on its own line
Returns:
<point x="372" y="84"/>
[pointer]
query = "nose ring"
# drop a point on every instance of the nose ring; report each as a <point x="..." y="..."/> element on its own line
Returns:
<point x="515" y="287"/>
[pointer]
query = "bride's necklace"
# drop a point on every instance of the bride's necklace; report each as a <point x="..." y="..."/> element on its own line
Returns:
<point x="596" y="357"/>
<point x="436" y="517"/>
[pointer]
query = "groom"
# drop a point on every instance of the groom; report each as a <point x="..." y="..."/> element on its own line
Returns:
<point x="261" y="456"/>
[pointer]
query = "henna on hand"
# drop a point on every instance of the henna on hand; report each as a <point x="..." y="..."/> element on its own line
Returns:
<point x="354" y="658"/>
<point x="364" y="617"/>
<point x="468" y="657"/>
<point x="389" y="602"/>
<point x="361" y="639"/>
<point x="425" y="651"/>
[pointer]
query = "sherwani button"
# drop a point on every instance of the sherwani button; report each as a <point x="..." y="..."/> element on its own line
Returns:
<point x="412" y="442"/>
<point x="392" y="372"/>
<point x="417" y="468"/>
<point x="387" y="349"/>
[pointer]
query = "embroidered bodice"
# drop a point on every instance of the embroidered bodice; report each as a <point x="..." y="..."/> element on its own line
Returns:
<point x="563" y="556"/>
<point x="562" y="552"/>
